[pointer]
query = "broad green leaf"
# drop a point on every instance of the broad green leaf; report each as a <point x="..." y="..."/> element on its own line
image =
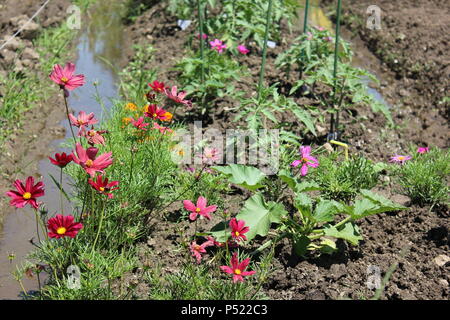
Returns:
<point x="258" y="215"/>
<point x="287" y="178"/>
<point x="301" y="244"/>
<point x="303" y="203"/>
<point x="307" y="186"/>
<point x="221" y="231"/>
<point x="373" y="203"/>
<point x="349" y="232"/>
<point x="326" y="210"/>
<point x="245" y="176"/>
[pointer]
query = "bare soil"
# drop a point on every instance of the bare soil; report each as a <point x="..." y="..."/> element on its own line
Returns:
<point x="414" y="238"/>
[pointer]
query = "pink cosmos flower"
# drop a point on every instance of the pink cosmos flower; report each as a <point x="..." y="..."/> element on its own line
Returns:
<point x="139" y="123"/>
<point x="230" y="243"/>
<point x="178" y="97"/>
<point x="205" y="36"/>
<point x="63" y="226"/>
<point x="93" y="136"/>
<point x="210" y="155"/>
<point x="26" y="194"/>
<point x="217" y="45"/>
<point x="423" y="150"/>
<point x="400" y="159"/>
<point x="199" y="209"/>
<point x="83" y="120"/>
<point x="242" y="49"/>
<point x="238" y="229"/>
<point x="161" y="129"/>
<point x="319" y="28"/>
<point x="237" y="268"/>
<point x="65" y="77"/>
<point x="307" y="160"/>
<point x="86" y="159"/>
<point x="197" y="250"/>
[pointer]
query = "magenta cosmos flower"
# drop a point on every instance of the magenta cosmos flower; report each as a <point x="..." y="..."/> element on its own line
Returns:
<point x="86" y="159"/>
<point x="139" y="123"/>
<point x="400" y="159"/>
<point x="238" y="229"/>
<point x="197" y="249"/>
<point x="61" y="160"/>
<point x="26" y="194"/>
<point x="423" y="150"/>
<point x="65" y="76"/>
<point x="83" y="120"/>
<point x="306" y="161"/>
<point x="217" y="45"/>
<point x="199" y="209"/>
<point x="237" y="269"/>
<point x="103" y="186"/>
<point x="63" y="226"/>
<point x="242" y="49"/>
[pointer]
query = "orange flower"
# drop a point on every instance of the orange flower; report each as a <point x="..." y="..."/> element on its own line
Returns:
<point x="131" y="106"/>
<point x="125" y="121"/>
<point x="168" y="116"/>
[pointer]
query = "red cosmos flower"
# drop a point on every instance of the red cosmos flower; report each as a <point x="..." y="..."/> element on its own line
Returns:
<point x="27" y="194"/>
<point x="197" y="250"/>
<point x="238" y="229"/>
<point x="103" y="187"/>
<point x="237" y="268"/>
<point x="231" y="243"/>
<point x="139" y="123"/>
<point x="86" y="159"/>
<point x="61" y="160"/>
<point x="83" y="120"/>
<point x="94" y="136"/>
<point x="157" y="86"/>
<point x="177" y="97"/>
<point x="63" y="226"/>
<point x="65" y="77"/>
<point x="156" y="113"/>
<point x="199" y="209"/>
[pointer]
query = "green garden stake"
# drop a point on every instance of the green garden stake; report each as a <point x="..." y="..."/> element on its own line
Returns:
<point x="200" y="27"/>
<point x="305" y="21"/>
<point x="266" y="36"/>
<point x="334" y="125"/>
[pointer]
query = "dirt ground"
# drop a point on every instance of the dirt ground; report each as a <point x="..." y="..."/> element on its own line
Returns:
<point x="413" y="81"/>
<point x="27" y="145"/>
<point x="415" y="239"/>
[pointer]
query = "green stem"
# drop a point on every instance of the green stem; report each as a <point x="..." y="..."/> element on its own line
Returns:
<point x="264" y="53"/>
<point x="68" y="119"/>
<point x="200" y="27"/>
<point x="305" y="21"/>
<point x="99" y="226"/>
<point x="336" y="53"/>
<point x="60" y="191"/>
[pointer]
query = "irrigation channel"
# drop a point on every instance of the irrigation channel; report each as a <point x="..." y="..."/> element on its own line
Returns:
<point x="99" y="49"/>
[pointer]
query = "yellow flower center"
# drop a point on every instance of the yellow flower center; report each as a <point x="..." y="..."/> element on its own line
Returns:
<point x="237" y="271"/>
<point x="91" y="133"/>
<point x="64" y="79"/>
<point x="401" y="158"/>
<point x="27" y="195"/>
<point x="61" y="230"/>
<point x="237" y="233"/>
<point x="197" y="210"/>
<point x="102" y="189"/>
<point x="155" y="115"/>
<point x="89" y="163"/>
<point x="197" y="248"/>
